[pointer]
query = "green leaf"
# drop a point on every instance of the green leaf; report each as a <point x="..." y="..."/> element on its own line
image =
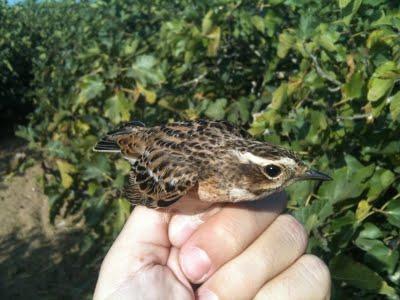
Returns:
<point x="8" y="65"/>
<point x="370" y="231"/>
<point x="348" y="220"/>
<point x="348" y="182"/>
<point x="286" y="41"/>
<point x="353" y="88"/>
<point x="213" y="44"/>
<point x="378" y="88"/>
<point x="216" y="109"/>
<point x="363" y="209"/>
<point x="379" y="182"/>
<point x="299" y="192"/>
<point x="343" y="3"/>
<point x="275" y="2"/>
<point x="95" y="211"/>
<point x="383" y="35"/>
<point x="382" y="256"/>
<point x="318" y="125"/>
<point x="118" y="108"/>
<point x="123" y="210"/>
<point x="327" y="37"/>
<point x="279" y="96"/>
<point x="268" y="118"/>
<point x="314" y="215"/>
<point x="389" y="19"/>
<point x="123" y="166"/>
<point x="146" y="61"/>
<point x="344" y="268"/>
<point x="149" y="96"/>
<point x="258" y="23"/>
<point x="395" y="106"/>
<point x="238" y="112"/>
<point x="98" y="169"/>
<point x="351" y="11"/>
<point x="92" y="188"/>
<point x="206" y="24"/>
<point x="90" y="87"/>
<point x="130" y="47"/>
<point x="381" y="81"/>
<point x="66" y="169"/>
<point x="356" y="170"/>
<point x="392" y="211"/>
<point x="146" y="71"/>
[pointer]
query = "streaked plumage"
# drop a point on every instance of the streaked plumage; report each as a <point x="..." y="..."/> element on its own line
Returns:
<point x="216" y="158"/>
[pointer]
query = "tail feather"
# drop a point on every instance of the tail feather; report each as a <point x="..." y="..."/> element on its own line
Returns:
<point x="109" y="144"/>
<point x="105" y="145"/>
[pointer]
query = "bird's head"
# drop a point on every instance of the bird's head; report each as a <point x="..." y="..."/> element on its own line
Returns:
<point x="271" y="168"/>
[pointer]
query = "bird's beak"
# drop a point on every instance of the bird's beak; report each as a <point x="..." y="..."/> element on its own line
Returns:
<point x="315" y="175"/>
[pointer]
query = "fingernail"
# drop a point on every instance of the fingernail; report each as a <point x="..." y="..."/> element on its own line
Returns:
<point x="195" y="264"/>
<point x="206" y="295"/>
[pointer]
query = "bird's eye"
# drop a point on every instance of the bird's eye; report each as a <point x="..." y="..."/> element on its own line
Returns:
<point x="272" y="170"/>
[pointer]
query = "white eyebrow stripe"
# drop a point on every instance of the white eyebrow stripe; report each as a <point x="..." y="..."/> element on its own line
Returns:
<point x="248" y="157"/>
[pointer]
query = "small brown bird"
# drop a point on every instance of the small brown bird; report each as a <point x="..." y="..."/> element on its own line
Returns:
<point x="216" y="158"/>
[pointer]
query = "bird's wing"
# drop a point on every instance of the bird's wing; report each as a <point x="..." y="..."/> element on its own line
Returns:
<point x="160" y="181"/>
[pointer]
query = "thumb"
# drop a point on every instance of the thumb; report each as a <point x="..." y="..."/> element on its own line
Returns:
<point x="143" y="241"/>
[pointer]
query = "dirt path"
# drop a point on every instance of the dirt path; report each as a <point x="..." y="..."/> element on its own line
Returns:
<point x="37" y="260"/>
<point x="24" y="206"/>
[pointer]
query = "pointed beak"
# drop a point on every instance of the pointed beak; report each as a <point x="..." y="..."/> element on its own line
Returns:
<point x="315" y="175"/>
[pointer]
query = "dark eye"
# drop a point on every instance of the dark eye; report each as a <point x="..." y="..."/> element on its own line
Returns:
<point x="272" y="170"/>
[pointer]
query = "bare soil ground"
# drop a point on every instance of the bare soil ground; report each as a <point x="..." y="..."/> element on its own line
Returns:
<point x="38" y="260"/>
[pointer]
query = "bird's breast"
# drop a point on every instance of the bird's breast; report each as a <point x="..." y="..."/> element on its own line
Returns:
<point x="215" y="190"/>
<point x="210" y="190"/>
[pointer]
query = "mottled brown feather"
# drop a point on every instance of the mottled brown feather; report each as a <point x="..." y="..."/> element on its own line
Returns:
<point x="168" y="160"/>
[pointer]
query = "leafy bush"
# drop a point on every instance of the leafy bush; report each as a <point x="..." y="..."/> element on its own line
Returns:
<point x="321" y="77"/>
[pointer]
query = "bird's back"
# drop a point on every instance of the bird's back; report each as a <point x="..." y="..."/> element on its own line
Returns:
<point x="187" y="138"/>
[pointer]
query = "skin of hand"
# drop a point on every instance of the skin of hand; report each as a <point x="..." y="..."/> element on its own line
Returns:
<point x="241" y="251"/>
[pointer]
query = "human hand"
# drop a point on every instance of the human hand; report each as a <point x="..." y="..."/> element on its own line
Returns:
<point x="241" y="251"/>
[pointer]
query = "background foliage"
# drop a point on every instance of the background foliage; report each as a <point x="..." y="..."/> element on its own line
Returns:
<point x="321" y="77"/>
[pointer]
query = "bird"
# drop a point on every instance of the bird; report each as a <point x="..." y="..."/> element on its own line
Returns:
<point x="219" y="160"/>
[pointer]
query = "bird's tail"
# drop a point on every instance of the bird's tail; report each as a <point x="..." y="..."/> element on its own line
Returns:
<point x="107" y="145"/>
<point x="109" y="142"/>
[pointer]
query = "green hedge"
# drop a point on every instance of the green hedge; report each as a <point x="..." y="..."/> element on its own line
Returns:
<point x="321" y="77"/>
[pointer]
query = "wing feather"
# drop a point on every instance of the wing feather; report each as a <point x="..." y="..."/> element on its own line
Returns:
<point x="152" y="186"/>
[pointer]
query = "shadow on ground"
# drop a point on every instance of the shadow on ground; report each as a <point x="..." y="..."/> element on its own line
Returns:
<point x="38" y="260"/>
<point x="37" y="268"/>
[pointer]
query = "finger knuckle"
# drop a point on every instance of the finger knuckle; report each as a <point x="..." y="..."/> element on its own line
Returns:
<point x="228" y="235"/>
<point x="294" y="232"/>
<point x="317" y="273"/>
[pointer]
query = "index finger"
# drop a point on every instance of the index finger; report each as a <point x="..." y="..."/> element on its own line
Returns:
<point x="226" y="234"/>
